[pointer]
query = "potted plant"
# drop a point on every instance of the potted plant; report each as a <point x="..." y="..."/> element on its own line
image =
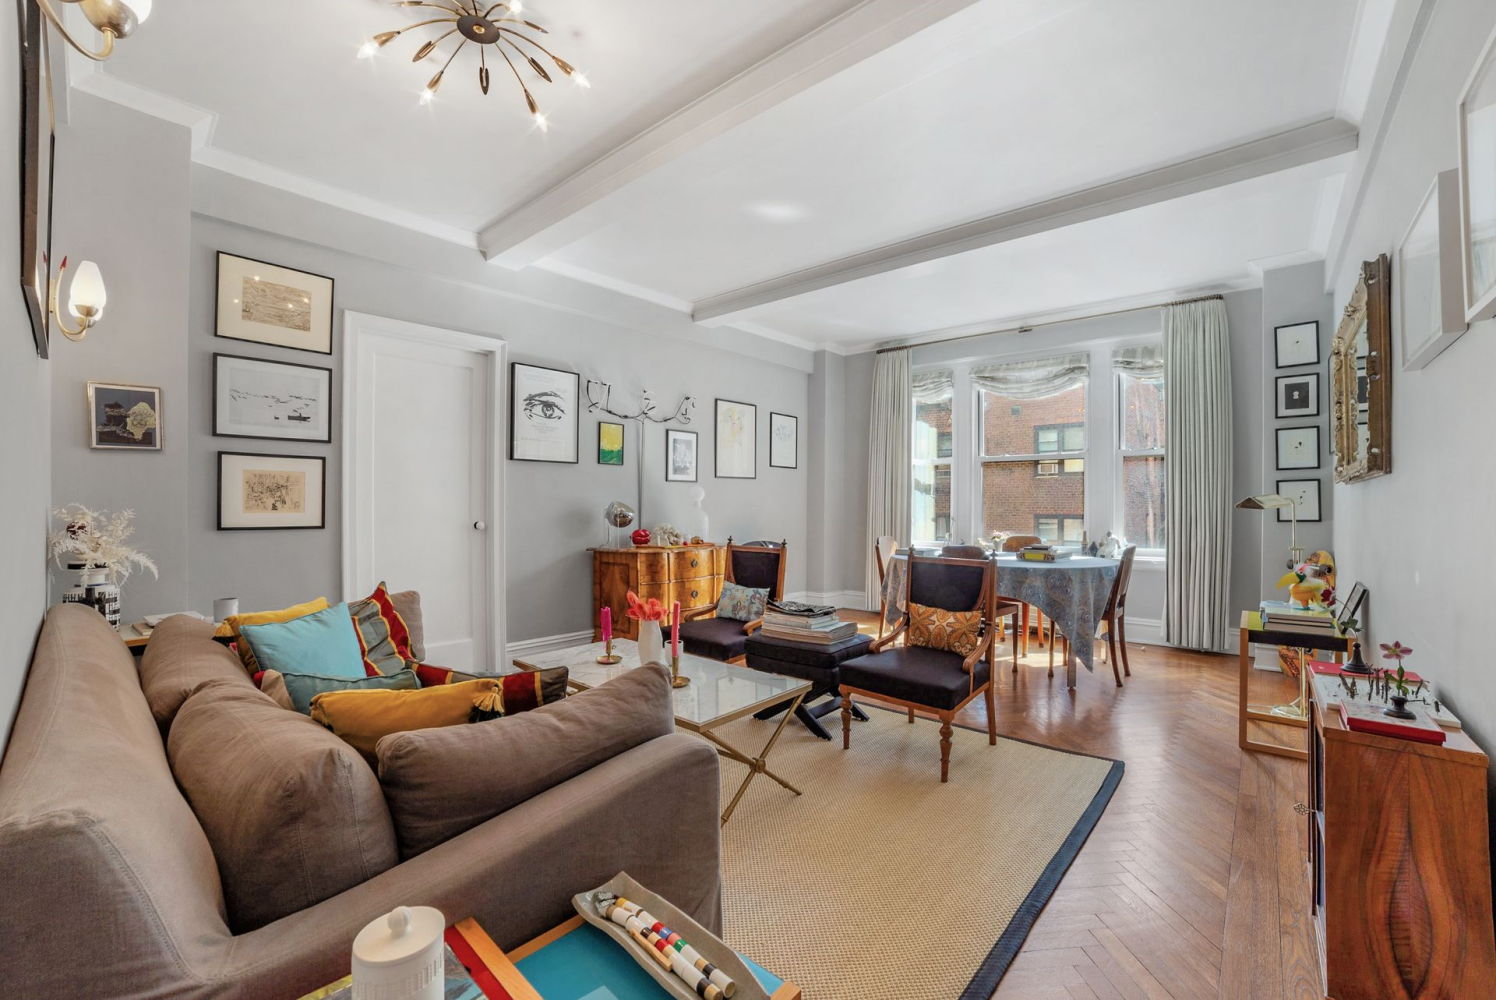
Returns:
<point x="1399" y="681"/>
<point x="649" y="614"/>
<point x="93" y="544"/>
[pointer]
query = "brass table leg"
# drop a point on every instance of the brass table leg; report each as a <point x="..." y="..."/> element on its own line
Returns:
<point x="756" y="765"/>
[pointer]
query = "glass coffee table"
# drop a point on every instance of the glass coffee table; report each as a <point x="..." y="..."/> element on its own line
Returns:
<point x="719" y="693"/>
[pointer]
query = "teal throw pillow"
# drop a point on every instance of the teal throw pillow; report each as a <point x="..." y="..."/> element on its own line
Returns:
<point x="742" y="604"/>
<point x="304" y="687"/>
<point x="323" y="644"/>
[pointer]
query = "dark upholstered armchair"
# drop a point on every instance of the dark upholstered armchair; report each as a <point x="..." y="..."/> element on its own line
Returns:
<point x="920" y="677"/>
<point x="758" y="565"/>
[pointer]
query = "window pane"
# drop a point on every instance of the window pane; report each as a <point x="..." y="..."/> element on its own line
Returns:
<point x="932" y="430"/>
<point x="932" y="502"/>
<point x="1142" y="413"/>
<point x="1042" y="498"/>
<point x="1143" y="497"/>
<point x="1034" y="426"/>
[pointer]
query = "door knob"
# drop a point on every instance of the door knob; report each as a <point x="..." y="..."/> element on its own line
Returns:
<point x="479" y="526"/>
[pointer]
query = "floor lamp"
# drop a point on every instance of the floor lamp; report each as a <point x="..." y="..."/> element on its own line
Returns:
<point x="1274" y="501"/>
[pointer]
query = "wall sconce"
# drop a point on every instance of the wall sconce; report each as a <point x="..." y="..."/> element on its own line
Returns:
<point x="113" y="19"/>
<point x="86" y="299"/>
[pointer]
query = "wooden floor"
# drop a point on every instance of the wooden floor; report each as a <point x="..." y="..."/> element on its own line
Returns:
<point x="1194" y="883"/>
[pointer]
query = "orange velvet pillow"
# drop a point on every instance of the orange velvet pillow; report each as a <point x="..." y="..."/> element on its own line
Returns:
<point x="952" y="631"/>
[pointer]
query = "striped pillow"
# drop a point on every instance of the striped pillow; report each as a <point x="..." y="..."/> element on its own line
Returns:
<point x="383" y="638"/>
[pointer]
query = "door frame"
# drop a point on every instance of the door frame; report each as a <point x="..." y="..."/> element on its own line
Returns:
<point x="356" y="324"/>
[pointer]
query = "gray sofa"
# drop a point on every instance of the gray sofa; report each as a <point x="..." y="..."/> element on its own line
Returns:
<point x="109" y="886"/>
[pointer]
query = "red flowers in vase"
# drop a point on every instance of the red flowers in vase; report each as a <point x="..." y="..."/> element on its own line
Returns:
<point x="646" y="611"/>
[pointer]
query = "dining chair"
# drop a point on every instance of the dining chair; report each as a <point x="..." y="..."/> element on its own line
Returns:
<point x="757" y="565"/>
<point x="1113" y="619"/>
<point x="1015" y="543"/>
<point x="919" y="676"/>
<point x="883" y="550"/>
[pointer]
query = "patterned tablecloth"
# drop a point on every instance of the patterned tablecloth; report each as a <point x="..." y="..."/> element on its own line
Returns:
<point x="1072" y="591"/>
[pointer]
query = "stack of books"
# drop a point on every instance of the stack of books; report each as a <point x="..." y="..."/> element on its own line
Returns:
<point x="1042" y="553"/>
<point x="796" y="622"/>
<point x="1282" y="615"/>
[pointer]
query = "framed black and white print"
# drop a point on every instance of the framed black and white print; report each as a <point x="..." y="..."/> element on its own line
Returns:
<point x="680" y="456"/>
<point x="784" y="441"/>
<point x="124" y="417"/>
<point x="544" y="424"/>
<point x="737" y="440"/>
<point x="1296" y="344"/>
<point x="609" y="443"/>
<point x="1298" y="395"/>
<point x="1305" y="494"/>
<point x="268" y="304"/>
<point x="1298" y="448"/>
<point x="271" y="399"/>
<point x="266" y="492"/>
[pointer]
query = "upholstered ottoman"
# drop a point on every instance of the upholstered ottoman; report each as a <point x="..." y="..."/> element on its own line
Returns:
<point x="808" y="661"/>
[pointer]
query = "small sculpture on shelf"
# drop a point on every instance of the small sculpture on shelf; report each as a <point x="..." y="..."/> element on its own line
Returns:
<point x="640" y="537"/>
<point x="666" y="534"/>
<point x="617" y="516"/>
<point x="1358" y="664"/>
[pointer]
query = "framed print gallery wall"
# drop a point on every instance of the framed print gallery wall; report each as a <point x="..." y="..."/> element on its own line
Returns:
<point x="736" y="440"/>
<point x="265" y="492"/>
<point x="256" y="398"/>
<point x="544" y="414"/>
<point x="265" y="303"/>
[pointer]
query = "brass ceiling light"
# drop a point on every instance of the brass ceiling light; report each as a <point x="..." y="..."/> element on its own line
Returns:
<point x="480" y="26"/>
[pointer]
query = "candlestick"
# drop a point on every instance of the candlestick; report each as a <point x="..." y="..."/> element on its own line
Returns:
<point x="676" y="680"/>
<point x="607" y="623"/>
<point x="608" y="657"/>
<point x="675" y="629"/>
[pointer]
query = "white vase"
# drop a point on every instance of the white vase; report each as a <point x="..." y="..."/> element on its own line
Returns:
<point x="651" y="644"/>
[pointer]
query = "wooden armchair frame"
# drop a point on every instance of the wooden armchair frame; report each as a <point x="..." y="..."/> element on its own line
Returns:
<point x="781" y="551"/>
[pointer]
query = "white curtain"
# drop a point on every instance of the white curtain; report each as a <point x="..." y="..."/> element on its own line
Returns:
<point x="890" y="477"/>
<point x="1140" y="362"/>
<point x="1033" y="379"/>
<point x="1197" y="429"/>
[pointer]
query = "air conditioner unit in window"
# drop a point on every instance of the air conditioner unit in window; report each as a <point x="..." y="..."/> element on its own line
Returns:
<point x="1048" y="469"/>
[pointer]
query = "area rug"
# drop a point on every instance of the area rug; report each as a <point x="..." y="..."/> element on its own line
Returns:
<point x="879" y="882"/>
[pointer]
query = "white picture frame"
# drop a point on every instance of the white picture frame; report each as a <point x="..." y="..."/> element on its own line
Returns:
<point x="1476" y="112"/>
<point x="736" y="445"/>
<point x="682" y="456"/>
<point x="784" y="441"/>
<point x="1296" y="345"/>
<point x="280" y="400"/>
<point x="1428" y="297"/>
<point x="1306" y="493"/>
<point x="265" y="303"/>
<point x="258" y="492"/>
<point x="1298" y="448"/>
<point x="544" y="414"/>
<point x="1298" y="395"/>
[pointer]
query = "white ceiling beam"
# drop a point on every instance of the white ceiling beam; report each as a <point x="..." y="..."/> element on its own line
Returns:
<point x="1296" y="147"/>
<point x="520" y="238"/>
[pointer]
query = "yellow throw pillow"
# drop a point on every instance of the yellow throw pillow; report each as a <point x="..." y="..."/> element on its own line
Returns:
<point x="362" y="717"/>
<point x="952" y="631"/>
<point x="230" y="627"/>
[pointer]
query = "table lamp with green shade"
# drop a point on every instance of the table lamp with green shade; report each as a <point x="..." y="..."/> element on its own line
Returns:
<point x="1273" y="501"/>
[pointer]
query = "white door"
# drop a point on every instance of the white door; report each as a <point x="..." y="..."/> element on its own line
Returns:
<point x="422" y="496"/>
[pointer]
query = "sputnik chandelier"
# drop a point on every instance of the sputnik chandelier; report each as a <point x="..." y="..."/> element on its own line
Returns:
<point x="497" y="26"/>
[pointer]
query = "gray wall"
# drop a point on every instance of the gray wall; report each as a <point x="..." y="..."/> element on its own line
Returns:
<point x="25" y="484"/>
<point x="1420" y="538"/>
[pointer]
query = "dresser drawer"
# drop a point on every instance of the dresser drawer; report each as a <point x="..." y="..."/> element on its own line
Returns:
<point x="694" y="594"/>
<point x="654" y="567"/>
<point x="691" y="564"/>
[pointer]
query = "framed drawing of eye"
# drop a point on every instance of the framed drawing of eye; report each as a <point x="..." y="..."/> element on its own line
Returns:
<point x="544" y="422"/>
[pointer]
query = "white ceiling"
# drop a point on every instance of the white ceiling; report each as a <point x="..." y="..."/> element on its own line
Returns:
<point x="858" y="125"/>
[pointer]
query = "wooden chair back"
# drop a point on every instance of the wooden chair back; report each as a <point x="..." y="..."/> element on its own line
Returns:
<point x="1014" y="543"/>
<point x="1118" y="602"/>
<point x="757" y="565"/>
<point x="950" y="584"/>
<point x="883" y="549"/>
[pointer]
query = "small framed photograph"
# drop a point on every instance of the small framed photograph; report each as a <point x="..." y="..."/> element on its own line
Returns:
<point x="267" y="492"/>
<point x="737" y="440"/>
<point x="1298" y="395"/>
<point x="1305" y="493"/>
<point x="269" y="304"/>
<point x="784" y="441"/>
<point x="271" y="399"/>
<point x="680" y="456"/>
<point x="1427" y="298"/>
<point x="609" y="443"/>
<point x="1477" y="136"/>
<point x="544" y="425"/>
<point x="1296" y="345"/>
<point x="124" y="417"/>
<point x="1298" y="448"/>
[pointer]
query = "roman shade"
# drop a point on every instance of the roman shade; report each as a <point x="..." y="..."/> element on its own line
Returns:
<point x="1146" y="361"/>
<point x="1033" y="379"/>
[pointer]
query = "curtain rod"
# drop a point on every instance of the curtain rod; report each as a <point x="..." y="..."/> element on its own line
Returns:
<point x="1056" y="322"/>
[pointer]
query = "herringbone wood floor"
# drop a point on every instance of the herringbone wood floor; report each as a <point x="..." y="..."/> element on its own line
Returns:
<point x="1194" y="884"/>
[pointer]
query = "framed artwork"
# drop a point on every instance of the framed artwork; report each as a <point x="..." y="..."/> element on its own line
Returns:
<point x="609" y="443"/>
<point x="124" y="417"/>
<point x="784" y="441"/>
<point x="544" y="424"/>
<point x="1296" y="345"/>
<point x="268" y="304"/>
<point x="1298" y="448"/>
<point x="1350" y="608"/>
<point x="1427" y="298"/>
<point x="266" y="492"/>
<point x="271" y="399"/>
<point x="1477" y="134"/>
<point x="1304" y="492"/>
<point x="680" y="456"/>
<point x="737" y="440"/>
<point x="38" y="144"/>
<point x="1298" y="395"/>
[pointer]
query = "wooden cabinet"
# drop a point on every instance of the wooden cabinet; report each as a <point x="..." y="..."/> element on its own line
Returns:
<point x="691" y="574"/>
<point x="1400" y="862"/>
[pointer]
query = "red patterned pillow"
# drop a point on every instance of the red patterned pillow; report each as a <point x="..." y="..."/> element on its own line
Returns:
<point x="383" y="637"/>
<point x="517" y="692"/>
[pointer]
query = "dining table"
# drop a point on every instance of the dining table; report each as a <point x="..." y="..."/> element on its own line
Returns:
<point x="1072" y="590"/>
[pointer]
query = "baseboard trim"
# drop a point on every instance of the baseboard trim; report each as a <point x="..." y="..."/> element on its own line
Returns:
<point x="547" y="643"/>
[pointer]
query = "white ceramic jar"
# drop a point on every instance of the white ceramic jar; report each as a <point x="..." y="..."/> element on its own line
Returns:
<point x="400" y="956"/>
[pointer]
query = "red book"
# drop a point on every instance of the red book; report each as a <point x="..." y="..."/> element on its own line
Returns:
<point x="1369" y="717"/>
<point x="1328" y="669"/>
<point x="477" y="968"/>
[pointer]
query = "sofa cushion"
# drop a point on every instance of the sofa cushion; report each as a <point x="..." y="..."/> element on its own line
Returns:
<point x="180" y="658"/>
<point x="715" y="638"/>
<point x="294" y="815"/>
<point x="949" y="631"/>
<point x="324" y="643"/>
<point x="924" y="676"/>
<point x="296" y="691"/>
<point x="362" y="717"/>
<point x="744" y="604"/>
<point x="440" y="782"/>
<point x="228" y="632"/>
<point x="383" y="638"/>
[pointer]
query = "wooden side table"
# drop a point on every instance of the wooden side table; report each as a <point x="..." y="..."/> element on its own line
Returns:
<point x="135" y="640"/>
<point x="1252" y="630"/>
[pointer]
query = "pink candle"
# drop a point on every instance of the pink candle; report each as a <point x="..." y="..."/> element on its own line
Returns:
<point x="607" y="624"/>
<point x="675" y="629"/>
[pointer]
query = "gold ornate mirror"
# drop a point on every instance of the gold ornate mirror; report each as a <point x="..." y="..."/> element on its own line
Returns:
<point x="1361" y="378"/>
